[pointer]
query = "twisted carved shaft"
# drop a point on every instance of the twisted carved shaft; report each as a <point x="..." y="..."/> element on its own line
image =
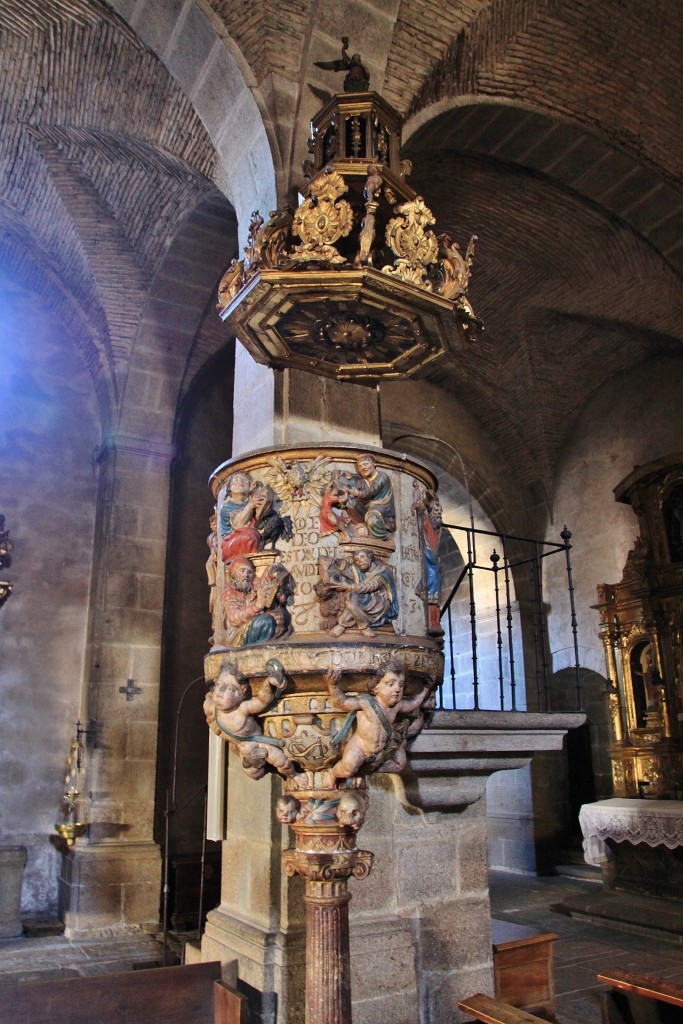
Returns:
<point x="328" y="981"/>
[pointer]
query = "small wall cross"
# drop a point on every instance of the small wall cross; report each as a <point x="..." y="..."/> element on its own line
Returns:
<point x="130" y="689"/>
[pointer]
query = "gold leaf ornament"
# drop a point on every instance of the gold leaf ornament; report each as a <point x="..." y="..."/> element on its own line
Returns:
<point x="322" y="219"/>
<point x="415" y="246"/>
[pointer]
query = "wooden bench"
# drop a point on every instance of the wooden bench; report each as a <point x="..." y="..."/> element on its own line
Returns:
<point x="633" y="999"/>
<point x="640" y="999"/>
<point x="193" y="994"/>
<point x="493" y="1011"/>
<point x="523" y="966"/>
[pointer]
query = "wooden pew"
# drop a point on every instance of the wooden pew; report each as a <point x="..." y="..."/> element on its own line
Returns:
<point x="193" y="994"/>
<point x="493" y="1011"/>
<point x="523" y="967"/>
<point x="640" y="999"/>
<point x="633" y="999"/>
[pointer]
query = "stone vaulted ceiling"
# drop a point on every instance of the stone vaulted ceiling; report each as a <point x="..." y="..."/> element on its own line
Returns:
<point x="550" y="128"/>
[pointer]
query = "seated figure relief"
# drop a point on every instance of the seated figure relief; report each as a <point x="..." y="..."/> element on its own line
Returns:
<point x="255" y="607"/>
<point x="362" y="592"/>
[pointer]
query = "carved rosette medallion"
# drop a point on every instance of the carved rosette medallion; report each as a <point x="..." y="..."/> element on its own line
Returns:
<point x="322" y="219"/>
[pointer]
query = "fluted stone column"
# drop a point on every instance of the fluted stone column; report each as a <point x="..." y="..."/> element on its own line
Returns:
<point x="328" y="980"/>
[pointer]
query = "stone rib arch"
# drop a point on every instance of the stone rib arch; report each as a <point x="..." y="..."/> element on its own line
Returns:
<point x="222" y="94"/>
<point x="170" y="346"/>
<point x="32" y="268"/>
<point x="540" y="52"/>
<point x="566" y="152"/>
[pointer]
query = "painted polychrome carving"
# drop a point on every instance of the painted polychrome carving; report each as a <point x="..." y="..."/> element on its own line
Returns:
<point x="323" y="664"/>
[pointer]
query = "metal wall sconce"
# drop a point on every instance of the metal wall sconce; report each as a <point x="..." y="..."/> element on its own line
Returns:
<point x="6" y="546"/>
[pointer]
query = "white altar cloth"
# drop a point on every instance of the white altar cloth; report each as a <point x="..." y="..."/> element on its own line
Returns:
<point x="653" y="822"/>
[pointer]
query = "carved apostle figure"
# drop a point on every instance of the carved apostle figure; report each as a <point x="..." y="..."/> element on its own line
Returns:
<point x="376" y="743"/>
<point x="229" y="708"/>
<point x="369" y="500"/>
<point x="238" y="514"/>
<point x="368" y="588"/>
<point x="429" y="511"/>
<point x="255" y="609"/>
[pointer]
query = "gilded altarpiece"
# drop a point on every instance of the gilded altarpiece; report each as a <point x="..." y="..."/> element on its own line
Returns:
<point x="640" y="625"/>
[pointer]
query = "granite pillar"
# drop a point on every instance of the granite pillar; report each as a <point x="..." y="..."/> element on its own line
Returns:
<point x="12" y="863"/>
<point x="111" y="879"/>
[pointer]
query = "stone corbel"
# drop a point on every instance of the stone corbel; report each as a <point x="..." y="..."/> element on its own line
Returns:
<point x="450" y="761"/>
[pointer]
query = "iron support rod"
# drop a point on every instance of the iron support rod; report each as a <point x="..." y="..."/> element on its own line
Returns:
<point x="566" y="537"/>
<point x="508" y="604"/>
<point x="202" y="866"/>
<point x="473" y="622"/>
<point x="543" y="629"/>
<point x="534" y="623"/>
<point x="495" y="558"/>
<point x="451" y="649"/>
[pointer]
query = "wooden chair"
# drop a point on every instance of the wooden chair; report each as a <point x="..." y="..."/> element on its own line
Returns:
<point x="193" y="994"/>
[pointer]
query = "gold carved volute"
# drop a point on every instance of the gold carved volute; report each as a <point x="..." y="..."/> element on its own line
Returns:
<point x="416" y="247"/>
<point x="453" y="268"/>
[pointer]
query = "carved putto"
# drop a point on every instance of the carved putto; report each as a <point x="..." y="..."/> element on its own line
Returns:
<point x="376" y="743"/>
<point x="370" y="735"/>
<point x="230" y="708"/>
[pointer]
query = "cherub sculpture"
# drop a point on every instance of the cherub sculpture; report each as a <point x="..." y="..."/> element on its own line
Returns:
<point x="287" y="809"/>
<point x="230" y="708"/>
<point x="351" y="809"/>
<point x="374" y="744"/>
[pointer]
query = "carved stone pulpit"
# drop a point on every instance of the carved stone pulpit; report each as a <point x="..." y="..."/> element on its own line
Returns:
<point x="640" y="625"/>
<point x="321" y="628"/>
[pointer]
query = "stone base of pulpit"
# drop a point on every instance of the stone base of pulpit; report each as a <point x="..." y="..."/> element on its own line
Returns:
<point x="421" y="932"/>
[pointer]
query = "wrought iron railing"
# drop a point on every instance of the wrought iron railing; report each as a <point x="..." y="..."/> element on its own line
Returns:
<point x="491" y="668"/>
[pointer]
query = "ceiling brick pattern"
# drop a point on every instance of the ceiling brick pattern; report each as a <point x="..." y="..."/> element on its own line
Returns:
<point x="549" y="129"/>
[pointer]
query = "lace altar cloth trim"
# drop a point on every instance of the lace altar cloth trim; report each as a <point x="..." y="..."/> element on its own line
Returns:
<point x="653" y="822"/>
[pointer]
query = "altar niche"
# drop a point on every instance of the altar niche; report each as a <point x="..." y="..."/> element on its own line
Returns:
<point x="641" y="626"/>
